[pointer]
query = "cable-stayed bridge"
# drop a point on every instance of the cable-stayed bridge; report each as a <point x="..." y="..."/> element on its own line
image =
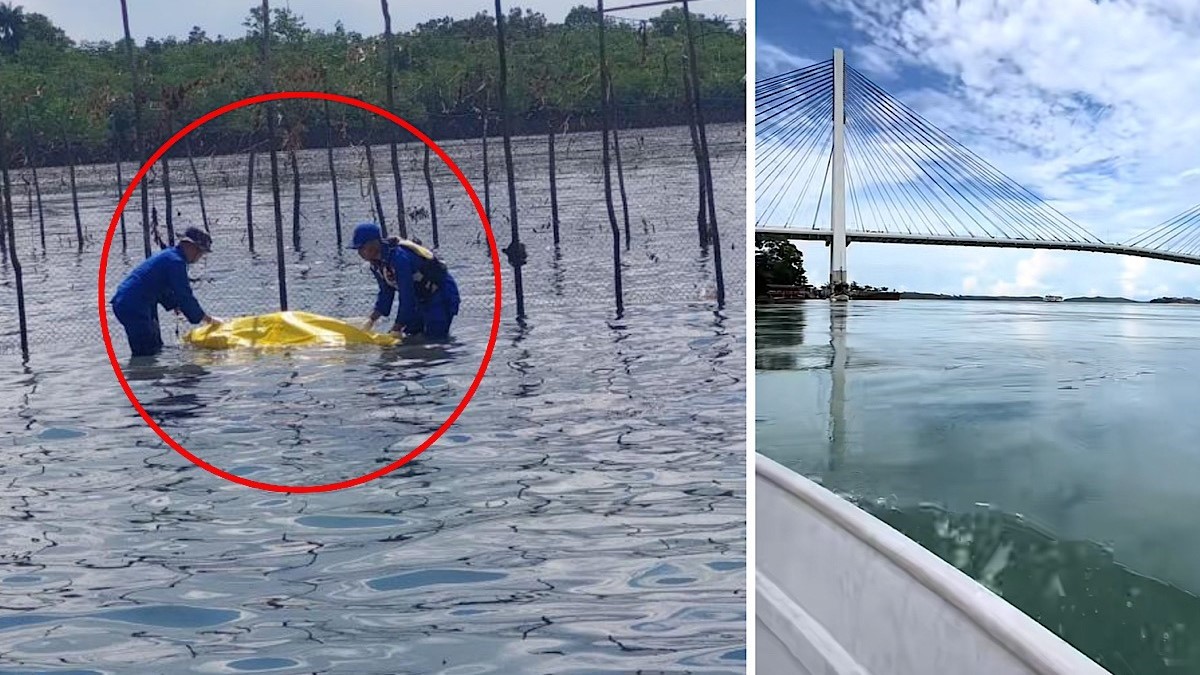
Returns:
<point x="837" y="159"/>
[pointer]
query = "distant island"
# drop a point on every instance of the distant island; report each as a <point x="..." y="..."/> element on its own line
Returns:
<point x="791" y="293"/>
<point x="906" y="295"/>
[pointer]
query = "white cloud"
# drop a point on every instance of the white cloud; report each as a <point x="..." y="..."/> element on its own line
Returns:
<point x="772" y="59"/>
<point x="1132" y="270"/>
<point x="1030" y="274"/>
<point x="874" y="60"/>
<point x="1080" y="100"/>
<point x="1093" y="106"/>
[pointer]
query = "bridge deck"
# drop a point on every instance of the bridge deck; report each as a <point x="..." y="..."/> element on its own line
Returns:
<point x="812" y="234"/>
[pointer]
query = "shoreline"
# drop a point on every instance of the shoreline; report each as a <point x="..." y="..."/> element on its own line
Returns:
<point x="223" y="142"/>
<point x="1099" y="300"/>
<point x="911" y="295"/>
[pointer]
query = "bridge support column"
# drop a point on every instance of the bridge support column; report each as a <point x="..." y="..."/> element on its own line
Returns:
<point x="837" y="250"/>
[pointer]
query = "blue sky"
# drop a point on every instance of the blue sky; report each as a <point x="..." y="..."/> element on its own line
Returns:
<point x="1095" y="106"/>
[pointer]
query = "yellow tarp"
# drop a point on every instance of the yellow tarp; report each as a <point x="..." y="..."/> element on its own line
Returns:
<point x="284" y="329"/>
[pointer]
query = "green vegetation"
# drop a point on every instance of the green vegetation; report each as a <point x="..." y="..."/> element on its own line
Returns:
<point x="778" y="263"/>
<point x="58" y="94"/>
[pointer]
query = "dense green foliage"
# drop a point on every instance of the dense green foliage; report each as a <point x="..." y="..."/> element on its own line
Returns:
<point x="778" y="262"/>
<point x="54" y="91"/>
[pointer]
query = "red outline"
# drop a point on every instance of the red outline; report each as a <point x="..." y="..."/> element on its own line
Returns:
<point x="285" y="95"/>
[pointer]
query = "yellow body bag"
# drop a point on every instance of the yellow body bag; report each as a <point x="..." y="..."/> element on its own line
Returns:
<point x="284" y="329"/>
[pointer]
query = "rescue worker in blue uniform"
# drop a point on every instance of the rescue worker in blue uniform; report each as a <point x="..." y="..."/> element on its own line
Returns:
<point x="428" y="294"/>
<point x="160" y="279"/>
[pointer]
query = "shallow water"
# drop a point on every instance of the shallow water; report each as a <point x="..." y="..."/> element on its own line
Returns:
<point x="585" y="514"/>
<point x="1048" y="450"/>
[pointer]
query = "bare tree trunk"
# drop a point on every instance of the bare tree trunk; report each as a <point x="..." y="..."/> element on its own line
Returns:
<point x="391" y="105"/>
<point x="137" y="126"/>
<point x="432" y="198"/>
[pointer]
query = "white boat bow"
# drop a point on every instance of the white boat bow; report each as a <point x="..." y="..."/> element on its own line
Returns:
<point x="839" y="592"/>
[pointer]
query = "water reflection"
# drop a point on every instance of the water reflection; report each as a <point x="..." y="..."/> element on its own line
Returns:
<point x="776" y="331"/>
<point x="953" y="408"/>
<point x="591" y="453"/>
<point x="837" y="371"/>
<point x="521" y="360"/>
<point x="181" y="384"/>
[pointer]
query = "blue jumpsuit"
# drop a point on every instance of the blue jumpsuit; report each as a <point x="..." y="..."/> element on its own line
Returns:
<point x="428" y="293"/>
<point x="161" y="279"/>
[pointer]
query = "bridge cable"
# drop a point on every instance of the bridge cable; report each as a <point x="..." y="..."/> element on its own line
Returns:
<point x="802" y="139"/>
<point x="901" y="133"/>
<point x="873" y="159"/>
<point x="1011" y="187"/>
<point x="966" y="176"/>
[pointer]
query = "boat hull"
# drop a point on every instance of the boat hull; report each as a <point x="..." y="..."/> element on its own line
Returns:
<point x="839" y="592"/>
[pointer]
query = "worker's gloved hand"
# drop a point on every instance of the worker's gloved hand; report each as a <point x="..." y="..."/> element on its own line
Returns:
<point x="397" y="331"/>
<point x="368" y="325"/>
<point x="215" y="321"/>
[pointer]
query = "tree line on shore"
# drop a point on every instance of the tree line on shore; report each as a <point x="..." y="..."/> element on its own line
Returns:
<point x="64" y="100"/>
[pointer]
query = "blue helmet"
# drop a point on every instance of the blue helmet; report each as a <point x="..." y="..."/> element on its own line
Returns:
<point x="365" y="233"/>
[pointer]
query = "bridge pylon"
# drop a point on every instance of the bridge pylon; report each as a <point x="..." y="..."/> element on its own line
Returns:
<point x="837" y="211"/>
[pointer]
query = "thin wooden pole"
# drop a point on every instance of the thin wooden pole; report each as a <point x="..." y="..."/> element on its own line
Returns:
<point x="606" y="122"/>
<point x="269" y="87"/>
<point x="621" y="185"/>
<point x="167" y="197"/>
<point x="432" y="198"/>
<point x="137" y="126"/>
<point x="714" y="234"/>
<point x="487" y="183"/>
<point x="120" y="189"/>
<point x="516" y="256"/>
<point x="187" y="143"/>
<point x="250" y="201"/>
<point x="337" y="208"/>
<point x="375" y="189"/>
<point x="391" y="104"/>
<point x="74" y="192"/>
<point x="295" y="199"/>
<point x="37" y="188"/>
<point x="701" y="213"/>
<point x="553" y="187"/>
<point x="12" y="241"/>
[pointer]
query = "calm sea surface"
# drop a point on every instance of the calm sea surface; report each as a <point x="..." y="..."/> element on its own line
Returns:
<point x="1051" y="451"/>
<point x="586" y="513"/>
